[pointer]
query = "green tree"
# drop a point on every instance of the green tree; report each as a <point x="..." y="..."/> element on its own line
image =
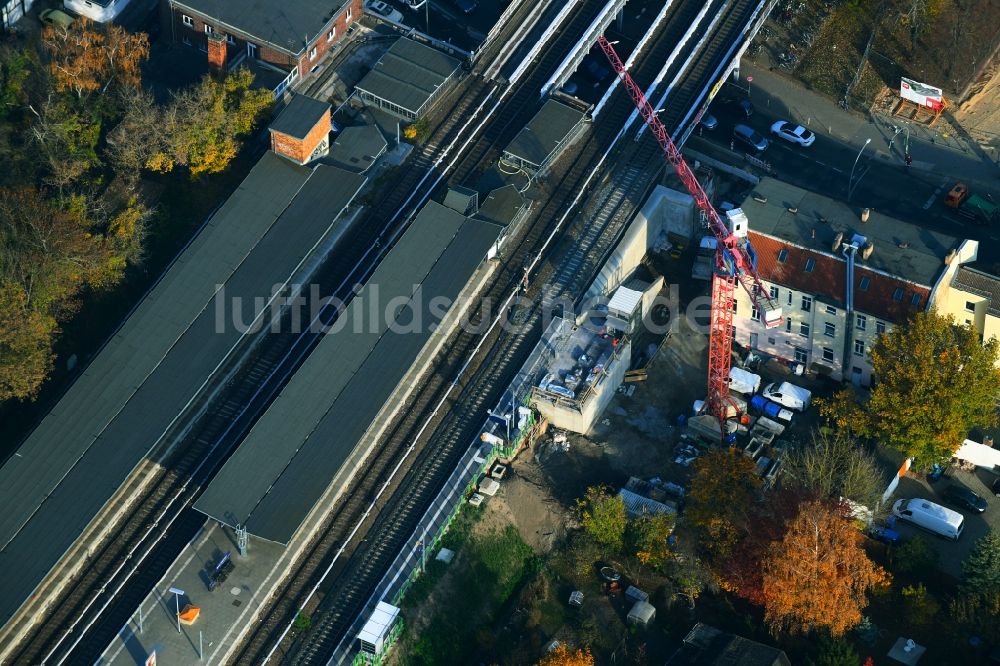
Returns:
<point x="915" y="557"/>
<point x="981" y="569"/>
<point x="935" y="383"/>
<point x="919" y="606"/>
<point x="203" y="124"/>
<point x="723" y="489"/>
<point x="25" y="345"/>
<point x="604" y="518"/>
<point x="835" y="465"/>
<point x="647" y="538"/>
<point x="976" y="615"/>
<point x="834" y="652"/>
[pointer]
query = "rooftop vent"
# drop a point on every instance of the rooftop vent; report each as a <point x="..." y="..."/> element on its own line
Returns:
<point x="837" y="240"/>
<point x="867" y="250"/>
<point x="865" y="214"/>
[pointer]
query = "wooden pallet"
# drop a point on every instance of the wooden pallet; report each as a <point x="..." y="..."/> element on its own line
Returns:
<point x="916" y="113"/>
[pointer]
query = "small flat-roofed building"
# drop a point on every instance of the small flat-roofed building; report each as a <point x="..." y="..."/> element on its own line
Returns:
<point x="972" y="298"/>
<point x="292" y="35"/>
<point x="505" y="206"/>
<point x="840" y="280"/>
<point x="407" y="79"/>
<point x="301" y="132"/>
<point x="583" y="370"/>
<point x="378" y="630"/>
<point x="357" y="148"/>
<point x="707" y="646"/>
<point x="554" y="127"/>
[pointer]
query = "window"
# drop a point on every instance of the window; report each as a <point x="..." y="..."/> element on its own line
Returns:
<point x="754" y="313"/>
<point x="807" y="303"/>
<point x="879" y="327"/>
<point x="187" y="40"/>
<point x="770" y="341"/>
<point x="187" y="20"/>
<point x="774" y="293"/>
<point x="830" y="330"/>
<point x="915" y="301"/>
<point x="861" y="323"/>
<point x="735" y="306"/>
<point x="804" y="329"/>
<point x="801" y="355"/>
<point x="350" y="13"/>
<point x="970" y="306"/>
<point x="898" y="294"/>
<point x="859" y="347"/>
<point x="810" y="265"/>
<point x="330" y="36"/>
<point x="208" y="29"/>
<point x="968" y="322"/>
<point x="251" y="50"/>
<point x="782" y="255"/>
<point x="230" y="39"/>
<point x="789" y="296"/>
<point x="828" y="354"/>
<point x="312" y="53"/>
<point x="788" y="324"/>
<point x="864" y="284"/>
<point x="830" y="310"/>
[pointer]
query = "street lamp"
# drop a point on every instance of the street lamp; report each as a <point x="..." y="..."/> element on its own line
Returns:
<point x="177" y="592"/>
<point x="850" y="181"/>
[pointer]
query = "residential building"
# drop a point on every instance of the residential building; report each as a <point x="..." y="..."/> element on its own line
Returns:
<point x="841" y="277"/>
<point x="972" y="298"/>
<point x="292" y="35"/>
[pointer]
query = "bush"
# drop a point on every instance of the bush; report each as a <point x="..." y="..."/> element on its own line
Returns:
<point x="916" y="557"/>
<point x="834" y="652"/>
<point x="919" y="606"/>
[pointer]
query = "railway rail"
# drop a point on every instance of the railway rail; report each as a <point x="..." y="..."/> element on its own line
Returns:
<point x="347" y="582"/>
<point x="81" y="622"/>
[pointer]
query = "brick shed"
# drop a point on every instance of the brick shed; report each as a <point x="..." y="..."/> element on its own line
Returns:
<point x="301" y="132"/>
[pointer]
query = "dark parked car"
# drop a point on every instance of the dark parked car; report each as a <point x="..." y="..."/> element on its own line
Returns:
<point x="596" y="68"/>
<point x="742" y="107"/>
<point x="709" y="122"/>
<point x="996" y="486"/>
<point x="964" y="498"/>
<point x="750" y="138"/>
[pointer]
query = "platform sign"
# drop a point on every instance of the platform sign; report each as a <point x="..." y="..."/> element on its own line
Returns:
<point x="151" y="659"/>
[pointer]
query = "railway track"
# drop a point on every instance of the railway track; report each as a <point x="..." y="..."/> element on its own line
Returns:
<point x="350" y="581"/>
<point x="98" y="603"/>
<point x="349" y="586"/>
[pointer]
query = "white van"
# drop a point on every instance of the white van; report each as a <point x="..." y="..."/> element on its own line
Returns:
<point x="932" y="517"/>
<point x="788" y="395"/>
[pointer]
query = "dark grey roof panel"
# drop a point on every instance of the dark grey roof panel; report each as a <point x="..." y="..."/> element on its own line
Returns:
<point x="299" y="116"/>
<point x="128" y="357"/>
<point x="286" y="24"/>
<point x="276" y="438"/>
<point x="195" y="355"/>
<point x="544" y="132"/>
<point x="302" y="484"/>
<point x="408" y="74"/>
<point x="357" y="148"/>
<point x="502" y="205"/>
<point x="968" y="278"/>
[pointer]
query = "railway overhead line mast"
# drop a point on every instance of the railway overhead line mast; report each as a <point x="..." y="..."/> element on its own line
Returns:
<point x="735" y="260"/>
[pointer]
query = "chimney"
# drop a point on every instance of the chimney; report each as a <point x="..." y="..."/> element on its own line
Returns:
<point x="838" y="239"/>
<point x="950" y="257"/>
<point x="867" y="249"/>
<point x="217" y="53"/>
<point x="865" y="214"/>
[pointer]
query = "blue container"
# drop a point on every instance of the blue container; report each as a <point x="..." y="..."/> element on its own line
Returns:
<point x="765" y="406"/>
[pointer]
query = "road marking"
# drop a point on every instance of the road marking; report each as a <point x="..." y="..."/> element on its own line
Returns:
<point x="933" y="197"/>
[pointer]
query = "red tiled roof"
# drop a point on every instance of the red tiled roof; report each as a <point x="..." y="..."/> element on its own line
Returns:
<point x="828" y="279"/>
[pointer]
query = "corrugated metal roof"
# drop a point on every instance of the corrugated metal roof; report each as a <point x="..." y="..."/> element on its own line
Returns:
<point x="299" y="116"/>
<point x="543" y="133"/>
<point x="625" y="300"/>
<point x="117" y="410"/>
<point x="409" y="74"/>
<point x="298" y="447"/>
<point x="980" y="283"/>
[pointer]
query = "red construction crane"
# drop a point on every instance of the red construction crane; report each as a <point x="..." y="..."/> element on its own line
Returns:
<point x="735" y="260"/>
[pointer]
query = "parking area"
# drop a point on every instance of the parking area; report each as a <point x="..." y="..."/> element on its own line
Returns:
<point x="952" y="553"/>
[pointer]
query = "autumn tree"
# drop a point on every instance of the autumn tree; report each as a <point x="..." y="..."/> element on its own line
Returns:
<point x="834" y="465"/>
<point x="93" y="57"/>
<point x="25" y="345"/>
<point x="203" y="124"/>
<point x="563" y="656"/>
<point x="723" y="489"/>
<point x="603" y="516"/>
<point x="818" y="575"/>
<point x="935" y="383"/>
<point x="981" y="568"/>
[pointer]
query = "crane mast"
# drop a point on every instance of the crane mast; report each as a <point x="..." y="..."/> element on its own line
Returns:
<point x="735" y="261"/>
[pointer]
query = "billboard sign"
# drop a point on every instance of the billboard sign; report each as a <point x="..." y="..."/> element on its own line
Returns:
<point x="921" y="94"/>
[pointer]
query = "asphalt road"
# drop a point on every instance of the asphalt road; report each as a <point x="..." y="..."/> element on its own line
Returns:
<point x="825" y="167"/>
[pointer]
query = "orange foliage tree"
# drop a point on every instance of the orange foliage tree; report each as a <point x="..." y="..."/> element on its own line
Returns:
<point x="563" y="656"/>
<point x="818" y="575"/>
<point x="89" y="57"/>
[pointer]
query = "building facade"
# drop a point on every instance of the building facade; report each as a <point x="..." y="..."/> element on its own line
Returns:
<point x="293" y="35"/>
<point x="972" y="298"/>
